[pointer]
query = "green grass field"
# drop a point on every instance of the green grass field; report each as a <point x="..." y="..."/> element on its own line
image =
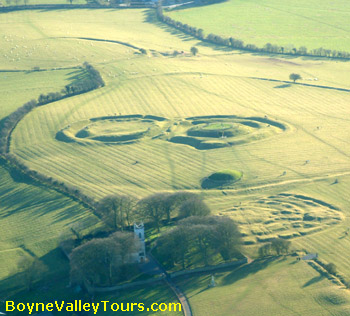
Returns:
<point x="312" y="24"/>
<point x="32" y="218"/>
<point x="294" y="157"/>
<point x="280" y="287"/>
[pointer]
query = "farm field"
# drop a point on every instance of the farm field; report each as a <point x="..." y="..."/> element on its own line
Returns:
<point x="312" y="24"/>
<point x="281" y="287"/>
<point x="31" y="218"/>
<point x="163" y="123"/>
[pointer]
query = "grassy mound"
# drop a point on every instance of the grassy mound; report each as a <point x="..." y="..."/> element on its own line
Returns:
<point x="218" y="131"/>
<point x="226" y="176"/>
<point x="221" y="179"/>
<point x="111" y="129"/>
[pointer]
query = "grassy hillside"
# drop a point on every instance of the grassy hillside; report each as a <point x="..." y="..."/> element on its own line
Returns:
<point x="32" y="218"/>
<point x="314" y="24"/>
<point x="138" y="135"/>
<point x="281" y="287"/>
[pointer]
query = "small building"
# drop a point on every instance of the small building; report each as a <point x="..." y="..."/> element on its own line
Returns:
<point x="310" y="256"/>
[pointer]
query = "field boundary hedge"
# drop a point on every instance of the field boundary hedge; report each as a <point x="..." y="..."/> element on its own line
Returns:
<point x="235" y="43"/>
<point x="9" y="123"/>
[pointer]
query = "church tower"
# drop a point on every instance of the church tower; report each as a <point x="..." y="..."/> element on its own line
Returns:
<point x="139" y="231"/>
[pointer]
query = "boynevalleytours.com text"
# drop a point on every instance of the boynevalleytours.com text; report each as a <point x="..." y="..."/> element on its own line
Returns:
<point x="79" y="306"/>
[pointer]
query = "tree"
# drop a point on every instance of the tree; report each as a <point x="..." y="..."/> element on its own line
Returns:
<point x="174" y="245"/>
<point x="173" y="201"/>
<point x="280" y="246"/>
<point x="117" y="210"/>
<point x="33" y="269"/>
<point x="152" y="208"/>
<point x="94" y="262"/>
<point x="103" y="261"/>
<point x="70" y="1"/>
<point x="331" y="268"/>
<point x="202" y="236"/>
<point x="226" y="237"/>
<point x="294" y="77"/>
<point x="127" y="244"/>
<point x="265" y="250"/>
<point x="194" y="207"/>
<point x="194" y="50"/>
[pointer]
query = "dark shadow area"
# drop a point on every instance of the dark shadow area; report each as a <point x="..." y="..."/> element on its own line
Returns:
<point x="302" y="84"/>
<point x="150" y="17"/>
<point x="314" y="280"/>
<point x="282" y="86"/>
<point x="247" y="270"/>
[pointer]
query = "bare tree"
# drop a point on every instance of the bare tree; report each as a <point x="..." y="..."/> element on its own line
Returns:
<point x="152" y="208"/>
<point x="117" y="210"/>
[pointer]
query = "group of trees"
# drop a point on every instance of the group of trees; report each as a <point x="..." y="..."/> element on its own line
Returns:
<point x="277" y="247"/>
<point x="120" y="211"/>
<point x="104" y="261"/>
<point x="239" y="44"/>
<point x="203" y="236"/>
<point x="161" y="207"/>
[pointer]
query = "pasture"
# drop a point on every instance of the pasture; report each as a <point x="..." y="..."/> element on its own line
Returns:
<point x="280" y="287"/>
<point x="32" y="218"/>
<point x="312" y="24"/>
<point x="287" y="144"/>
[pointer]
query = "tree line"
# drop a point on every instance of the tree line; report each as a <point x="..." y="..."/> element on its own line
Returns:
<point x="92" y="80"/>
<point x="239" y="44"/>
<point x="121" y="211"/>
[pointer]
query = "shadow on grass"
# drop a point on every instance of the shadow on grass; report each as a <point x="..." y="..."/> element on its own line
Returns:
<point x="282" y="86"/>
<point x="57" y="268"/>
<point x="314" y="280"/>
<point x="229" y="276"/>
<point x="246" y="270"/>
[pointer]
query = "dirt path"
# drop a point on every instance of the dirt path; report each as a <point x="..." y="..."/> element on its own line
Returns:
<point x="286" y="182"/>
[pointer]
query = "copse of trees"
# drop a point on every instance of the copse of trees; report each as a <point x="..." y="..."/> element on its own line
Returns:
<point x="104" y="261"/>
<point x="203" y="236"/>
<point x="162" y="206"/>
<point x="277" y="247"/>
<point x="117" y="210"/>
<point x="194" y="207"/>
<point x="239" y="44"/>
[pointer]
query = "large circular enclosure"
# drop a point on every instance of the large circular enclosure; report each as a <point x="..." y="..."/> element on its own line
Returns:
<point x="284" y="215"/>
<point x="112" y="129"/>
<point x="210" y="132"/>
